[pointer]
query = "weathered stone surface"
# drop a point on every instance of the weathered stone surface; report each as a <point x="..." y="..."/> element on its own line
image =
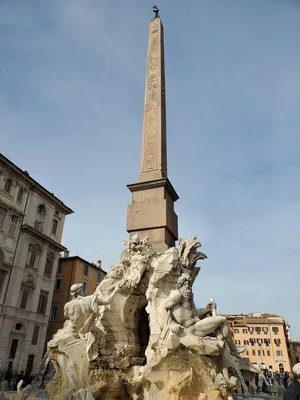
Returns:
<point x="145" y="353"/>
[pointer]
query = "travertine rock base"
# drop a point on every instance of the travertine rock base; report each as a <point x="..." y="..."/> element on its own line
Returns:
<point x="181" y="375"/>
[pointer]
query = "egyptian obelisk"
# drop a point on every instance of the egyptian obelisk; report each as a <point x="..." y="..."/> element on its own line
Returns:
<point x="152" y="210"/>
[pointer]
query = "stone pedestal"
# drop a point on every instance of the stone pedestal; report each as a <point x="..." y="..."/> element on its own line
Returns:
<point x="152" y="213"/>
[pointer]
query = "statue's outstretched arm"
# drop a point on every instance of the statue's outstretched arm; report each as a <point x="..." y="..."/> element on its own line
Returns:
<point x="109" y="299"/>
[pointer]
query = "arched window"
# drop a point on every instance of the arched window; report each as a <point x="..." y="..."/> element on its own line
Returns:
<point x="20" y="194"/>
<point x="8" y="185"/>
<point x="40" y="217"/>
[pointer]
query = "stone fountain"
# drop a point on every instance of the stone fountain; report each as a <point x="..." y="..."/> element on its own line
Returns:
<point x="140" y="335"/>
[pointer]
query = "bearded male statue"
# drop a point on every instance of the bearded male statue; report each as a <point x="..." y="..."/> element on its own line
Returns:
<point x="179" y="306"/>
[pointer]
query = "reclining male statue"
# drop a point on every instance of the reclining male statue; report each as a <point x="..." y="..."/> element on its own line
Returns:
<point x="199" y="322"/>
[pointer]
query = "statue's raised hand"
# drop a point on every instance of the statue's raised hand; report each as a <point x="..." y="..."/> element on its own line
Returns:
<point x="212" y="304"/>
<point x="175" y="328"/>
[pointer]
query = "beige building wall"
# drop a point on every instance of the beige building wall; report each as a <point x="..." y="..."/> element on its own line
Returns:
<point x="31" y="227"/>
<point x="265" y="339"/>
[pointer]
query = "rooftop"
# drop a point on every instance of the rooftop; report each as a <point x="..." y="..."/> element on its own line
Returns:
<point x="65" y="259"/>
<point x="25" y="175"/>
<point x="255" y="318"/>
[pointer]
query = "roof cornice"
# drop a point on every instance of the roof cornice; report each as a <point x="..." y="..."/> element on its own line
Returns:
<point x="39" y="235"/>
<point x="34" y="184"/>
<point x="153" y="184"/>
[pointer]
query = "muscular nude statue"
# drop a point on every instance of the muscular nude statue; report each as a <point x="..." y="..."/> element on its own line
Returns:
<point x="80" y="308"/>
<point x="199" y="322"/>
<point x="79" y="312"/>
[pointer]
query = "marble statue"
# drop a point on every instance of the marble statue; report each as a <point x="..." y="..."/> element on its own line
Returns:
<point x="140" y="335"/>
<point x="80" y="314"/>
<point x="200" y="322"/>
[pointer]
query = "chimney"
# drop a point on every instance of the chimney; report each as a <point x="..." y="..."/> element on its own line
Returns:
<point x="66" y="253"/>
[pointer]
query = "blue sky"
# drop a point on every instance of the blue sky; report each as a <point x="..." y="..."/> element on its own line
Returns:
<point x="71" y="103"/>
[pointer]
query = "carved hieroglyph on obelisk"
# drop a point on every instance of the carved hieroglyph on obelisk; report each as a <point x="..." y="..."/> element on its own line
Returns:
<point x="152" y="210"/>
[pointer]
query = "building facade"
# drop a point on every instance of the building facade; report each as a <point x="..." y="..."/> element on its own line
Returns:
<point x="265" y="337"/>
<point x="295" y="352"/>
<point x="71" y="270"/>
<point x="31" y="227"/>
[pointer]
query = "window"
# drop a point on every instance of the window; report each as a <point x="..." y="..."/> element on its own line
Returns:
<point x="252" y="341"/>
<point x="258" y="329"/>
<point x="8" y="185"/>
<point x="265" y="330"/>
<point x="100" y="275"/>
<point x="18" y="327"/>
<point x="247" y="353"/>
<point x="60" y="266"/>
<point x="246" y="342"/>
<point x="279" y="353"/>
<point x="54" y="226"/>
<point x="259" y="341"/>
<point x="267" y="342"/>
<point x="2" y="217"/>
<point x="13" y="348"/>
<point x="32" y="257"/>
<point x="238" y="342"/>
<point x="29" y="365"/>
<point x="24" y="298"/>
<point x="261" y="352"/>
<point x="35" y="334"/>
<point x="58" y="283"/>
<point x="49" y="266"/>
<point x="48" y="336"/>
<point x="251" y="330"/>
<point x="20" y="195"/>
<point x="268" y="353"/>
<point x="275" y="330"/>
<point x="253" y="352"/>
<point x="86" y="269"/>
<point x="277" y="342"/>
<point x="3" y="281"/>
<point x="54" y="312"/>
<point x="13" y="225"/>
<point x="42" y="305"/>
<point x="84" y="288"/>
<point x="245" y="330"/>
